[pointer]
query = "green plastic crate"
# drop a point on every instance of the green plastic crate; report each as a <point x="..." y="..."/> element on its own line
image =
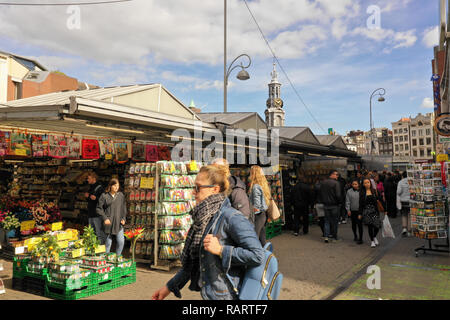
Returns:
<point x="55" y="292"/>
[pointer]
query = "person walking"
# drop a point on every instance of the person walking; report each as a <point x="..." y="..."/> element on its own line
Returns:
<point x="342" y="211"/>
<point x="95" y="191"/>
<point x="368" y="210"/>
<point x="260" y="198"/>
<point x="238" y="195"/>
<point x="318" y="206"/>
<point x="391" y="195"/>
<point x="403" y="195"/>
<point x="352" y="207"/>
<point x="113" y="210"/>
<point x="302" y="196"/>
<point x="220" y="244"/>
<point x="330" y="195"/>
<point x="380" y="189"/>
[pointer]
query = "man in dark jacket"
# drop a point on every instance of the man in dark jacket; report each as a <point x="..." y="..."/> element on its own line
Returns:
<point x="303" y="197"/>
<point x="342" y="211"/>
<point x="94" y="193"/>
<point x="238" y="197"/>
<point x="330" y="195"/>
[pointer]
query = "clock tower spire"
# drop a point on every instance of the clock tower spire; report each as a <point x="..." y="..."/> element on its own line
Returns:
<point x="275" y="115"/>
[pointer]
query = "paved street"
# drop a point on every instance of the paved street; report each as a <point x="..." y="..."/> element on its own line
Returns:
<point x="314" y="270"/>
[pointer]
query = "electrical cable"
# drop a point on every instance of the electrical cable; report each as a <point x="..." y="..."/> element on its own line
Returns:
<point x="281" y="67"/>
<point x="63" y="4"/>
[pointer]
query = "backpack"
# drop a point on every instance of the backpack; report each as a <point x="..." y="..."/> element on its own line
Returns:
<point x="264" y="281"/>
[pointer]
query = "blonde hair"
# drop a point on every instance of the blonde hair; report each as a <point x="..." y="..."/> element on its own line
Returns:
<point x="222" y="162"/>
<point x="217" y="175"/>
<point x="257" y="177"/>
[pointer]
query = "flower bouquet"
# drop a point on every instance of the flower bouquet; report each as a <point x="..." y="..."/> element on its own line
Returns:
<point x="8" y="221"/>
<point x="133" y="235"/>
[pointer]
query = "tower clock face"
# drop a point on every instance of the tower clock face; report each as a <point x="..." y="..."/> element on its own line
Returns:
<point x="278" y="103"/>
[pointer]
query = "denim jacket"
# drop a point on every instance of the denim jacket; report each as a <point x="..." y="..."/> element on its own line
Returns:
<point x="220" y="279"/>
<point x="257" y="199"/>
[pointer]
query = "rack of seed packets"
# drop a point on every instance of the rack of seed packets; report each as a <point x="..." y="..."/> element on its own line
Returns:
<point x="141" y="197"/>
<point x="174" y="202"/>
<point x="428" y="201"/>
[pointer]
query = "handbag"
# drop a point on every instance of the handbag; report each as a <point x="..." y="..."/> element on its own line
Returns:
<point x="320" y="211"/>
<point x="273" y="212"/>
<point x="387" y="231"/>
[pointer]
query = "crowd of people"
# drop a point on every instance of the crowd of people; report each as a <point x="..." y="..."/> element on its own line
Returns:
<point x="363" y="199"/>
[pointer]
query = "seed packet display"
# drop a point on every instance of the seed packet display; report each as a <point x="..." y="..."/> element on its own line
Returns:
<point x="172" y="236"/>
<point x="57" y="147"/>
<point x="39" y="144"/>
<point x="171" y="252"/>
<point x="177" y="194"/>
<point x="175" y="208"/>
<point x="174" y="222"/>
<point x="90" y="149"/>
<point x="20" y="144"/>
<point x="121" y="149"/>
<point x="138" y="152"/>
<point x="5" y="140"/>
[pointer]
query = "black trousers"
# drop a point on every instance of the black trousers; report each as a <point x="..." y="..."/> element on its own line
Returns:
<point x="260" y="222"/>
<point x="301" y="217"/>
<point x="373" y="231"/>
<point x="322" y="225"/>
<point x="357" y="225"/>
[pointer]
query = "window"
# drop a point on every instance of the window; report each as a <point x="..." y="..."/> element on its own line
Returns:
<point x="406" y="138"/>
<point x="401" y="138"/>
<point x="421" y="141"/>
<point x="405" y="130"/>
<point x="414" y="142"/>
<point x="396" y="139"/>
<point x="413" y="133"/>
<point x="429" y="152"/>
<point x="428" y="132"/>
<point x="415" y="153"/>
<point x="420" y="133"/>
<point x="406" y="147"/>
<point x="428" y="141"/>
<point x="396" y="148"/>
<point x="17" y="90"/>
<point x="395" y="131"/>
<point x="401" y="147"/>
<point x="422" y="153"/>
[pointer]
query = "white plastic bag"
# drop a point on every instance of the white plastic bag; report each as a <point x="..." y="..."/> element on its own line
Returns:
<point x="387" y="231"/>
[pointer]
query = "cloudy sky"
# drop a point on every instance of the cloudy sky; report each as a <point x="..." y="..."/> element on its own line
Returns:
<point x="329" y="49"/>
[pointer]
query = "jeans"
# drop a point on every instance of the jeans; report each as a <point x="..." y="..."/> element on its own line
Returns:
<point x="97" y="223"/>
<point x="331" y="221"/>
<point x="260" y="222"/>
<point x="302" y="213"/>
<point x="120" y="239"/>
<point x="406" y="220"/>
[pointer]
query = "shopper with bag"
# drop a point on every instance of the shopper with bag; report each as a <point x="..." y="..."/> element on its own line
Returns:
<point x="352" y="207"/>
<point x="369" y="210"/>
<point x="302" y="195"/>
<point x="318" y="207"/>
<point x="112" y="208"/>
<point x="220" y="244"/>
<point x="260" y="198"/>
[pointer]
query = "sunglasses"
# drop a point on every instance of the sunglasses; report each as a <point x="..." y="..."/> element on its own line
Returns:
<point x="197" y="188"/>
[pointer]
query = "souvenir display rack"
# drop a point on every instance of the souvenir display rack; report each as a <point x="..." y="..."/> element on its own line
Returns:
<point x="428" y="203"/>
<point x="140" y="193"/>
<point x="175" y="199"/>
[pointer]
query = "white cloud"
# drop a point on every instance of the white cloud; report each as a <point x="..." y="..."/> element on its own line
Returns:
<point x="394" y="40"/>
<point x="431" y="37"/>
<point x="427" y="103"/>
<point x="390" y="5"/>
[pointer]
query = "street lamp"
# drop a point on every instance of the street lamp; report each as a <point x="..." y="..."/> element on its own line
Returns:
<point x="381" y="98"/>
<point x="242" y="75"/>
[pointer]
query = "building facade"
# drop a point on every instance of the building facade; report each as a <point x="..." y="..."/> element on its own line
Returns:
<point x="385" y="143"/>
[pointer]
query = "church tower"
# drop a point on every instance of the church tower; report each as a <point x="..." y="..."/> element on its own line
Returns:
<point x="275" y="115"/>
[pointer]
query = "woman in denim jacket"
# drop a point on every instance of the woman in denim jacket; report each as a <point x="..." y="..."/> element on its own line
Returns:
<point x="220" y="243"/>
<point x="259" y="198"/>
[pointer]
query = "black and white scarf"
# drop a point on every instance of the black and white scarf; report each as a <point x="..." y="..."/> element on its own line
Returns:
<point x="201" y="215"/>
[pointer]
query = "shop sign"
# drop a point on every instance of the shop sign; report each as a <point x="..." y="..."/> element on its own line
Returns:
<point x="442" y="125"/>
<point x="443" y="139"/>
<point x="147" y="183"/>
<point x="442" y="158"/>
<point x="27" y="225"/>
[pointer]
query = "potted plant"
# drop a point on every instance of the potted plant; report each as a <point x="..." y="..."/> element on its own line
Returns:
<point x="10" y="223"/>
<point x="47" y="250"/>
<point x="133" y="236"/>
<point x="90" y="240"/>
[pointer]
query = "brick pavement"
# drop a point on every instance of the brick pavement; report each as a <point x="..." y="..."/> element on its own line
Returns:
<point x="312" y="269"/>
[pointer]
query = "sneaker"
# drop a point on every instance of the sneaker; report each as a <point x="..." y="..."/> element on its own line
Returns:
<point x="296" y="234"/>
<point x="404" y="232"/>
<point x="326" y="240"/>
<point x="344" y="221"/>
<point x="376" y="241"/>
<point x="373" y="245"/>
<point x="339" y="222"/>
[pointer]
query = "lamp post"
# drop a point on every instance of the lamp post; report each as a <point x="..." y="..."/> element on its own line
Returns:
<point x="380" y="99"/>
<point x="242" y="75"/>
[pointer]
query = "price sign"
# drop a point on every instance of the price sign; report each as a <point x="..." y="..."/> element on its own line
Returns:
<point x="147" y="183"/>
<point x="27" y="225"/>
<point x="442" y="157"/>
<point x="56" y="226"/>
<point x="108" y="156"/>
